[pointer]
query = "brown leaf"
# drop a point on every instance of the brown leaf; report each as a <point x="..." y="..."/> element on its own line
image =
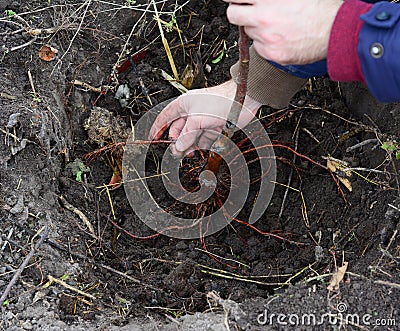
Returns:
<point x="337" y="166"/>
<point x="187" y="77"/>
<point x="47" y="53"/>
<point x="337" y="277"/>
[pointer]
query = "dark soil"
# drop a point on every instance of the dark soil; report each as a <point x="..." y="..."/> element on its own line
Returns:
<point x="162" y="283"/>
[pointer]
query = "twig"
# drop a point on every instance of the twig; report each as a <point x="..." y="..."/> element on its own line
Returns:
<point x="214" y="158"/>
<point x="311" y="135"/>
<point x="12" y="49"/>
<point x="24" y="263"/>
<point x="92" y="261"/>
<point x="81" y="215"/>
<point x="366" y="169"/>
<point x="144" y="90"/>
<point x="67" y="286"/>
<point x="32" y="84"/>
<point x="390" y="284"/>
<point x="395" y="208"/>
<point x="116" y="6"/>
<point x="7" y="96"/>
<point x="135" y="280"/>
<point x="222" y="258"/>
<point x="114" y="70"/>
<point x="243" y="279"/>
<point x="380" y="282"/>
<point x="392" y="239"/>
<point x="9" y="134"/>
<point x="87" y="86"/>
<point x="165" y="43"/>
<point x="38" y="31"/>
<point x="123" y="51"/>
<point x="7" y="238"/>
<point x="173" y="82"/>
<point x="88" y="2"/>
<point x="291" y="173"/>
<point x="361" y="144"/>
<point x="12" y="242"/>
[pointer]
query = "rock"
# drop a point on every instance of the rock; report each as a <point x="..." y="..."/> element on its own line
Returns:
<point x="19" y="206"/>
<point x="105" y="127"/>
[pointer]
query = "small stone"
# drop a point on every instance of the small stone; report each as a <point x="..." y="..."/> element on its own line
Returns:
<point x="181" y="246"/>
<point x="19" y="206"/>
<point x="12" y="120"/>
<point x="319" y="253"/>
<point x="9" y="315"/>
<point x="27" y="326"/>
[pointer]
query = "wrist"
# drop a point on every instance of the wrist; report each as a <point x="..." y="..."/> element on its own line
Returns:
<point x="267" y="84"/>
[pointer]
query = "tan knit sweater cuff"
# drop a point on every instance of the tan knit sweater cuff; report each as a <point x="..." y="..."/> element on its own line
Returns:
<point x="267" y="84"/>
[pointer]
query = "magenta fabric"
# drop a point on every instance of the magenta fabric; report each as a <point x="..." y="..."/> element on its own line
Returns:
<point x="343" y="60"/>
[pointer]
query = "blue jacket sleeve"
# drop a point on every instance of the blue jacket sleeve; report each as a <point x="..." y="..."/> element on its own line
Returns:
<point x="305" y="71"/>
<point x="379" y="51"/>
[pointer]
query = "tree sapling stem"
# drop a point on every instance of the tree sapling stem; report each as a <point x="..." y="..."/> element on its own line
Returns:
<point x="214" y="159"/>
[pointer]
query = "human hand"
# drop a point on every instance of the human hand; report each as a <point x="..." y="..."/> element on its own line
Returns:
<point x="196" y="118"/>
<point x="286" y="32"/>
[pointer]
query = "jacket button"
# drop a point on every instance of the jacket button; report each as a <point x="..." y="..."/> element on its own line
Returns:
<point x="383" y="16"/>
<point x="376" y="50"/>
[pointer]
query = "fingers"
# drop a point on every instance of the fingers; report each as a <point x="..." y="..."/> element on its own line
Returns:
<point x="165" y="118"/>
<point x="188" y="153"/>
<point x="204" y="142"/>
<point x="176" y="128"/>
<point x="241" y="2"/>
<point x="241" y="14"/>
<point x="189" y="135"/>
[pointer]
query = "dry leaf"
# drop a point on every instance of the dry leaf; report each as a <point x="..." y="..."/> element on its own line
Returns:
<point x="47" y="53"/>
<point x="337" y="277"/>
<point x="337" y="167"/>
<point x="187" y="77"/>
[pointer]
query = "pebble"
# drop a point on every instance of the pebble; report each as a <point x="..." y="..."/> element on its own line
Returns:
<point x="19" y="206"/>
<point x="319" y="253"/>
<point x="13" y="120"/>
<point x="27" y="326"/>
<point x="9" y="315"/>
<point x="181" y="246"/>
